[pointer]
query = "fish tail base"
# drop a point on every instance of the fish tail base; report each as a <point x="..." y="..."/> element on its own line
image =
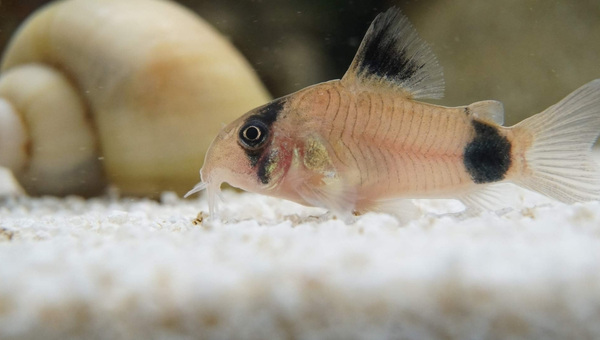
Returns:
<point x="557" y="161"/>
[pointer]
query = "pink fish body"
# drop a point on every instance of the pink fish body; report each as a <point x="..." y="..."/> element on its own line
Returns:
<point x="363" y="143"/>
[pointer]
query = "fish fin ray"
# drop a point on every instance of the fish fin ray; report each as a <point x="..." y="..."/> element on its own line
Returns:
<point x="487" y="110"/>
<point x="402" y="209"/>
<point x="495" y="198"/>
<point x="335" y="197"/>
<point x="392" y="54"/>
<point x="559" y="162"/>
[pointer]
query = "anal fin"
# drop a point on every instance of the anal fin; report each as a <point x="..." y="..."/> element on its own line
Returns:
<point x="497" y="198"/>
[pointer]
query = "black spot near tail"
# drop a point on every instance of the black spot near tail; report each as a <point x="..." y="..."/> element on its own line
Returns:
<point x="487" y="157"/>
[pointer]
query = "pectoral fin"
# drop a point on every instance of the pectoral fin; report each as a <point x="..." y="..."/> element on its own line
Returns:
<point x="316" y="182"/>
<point x="336" y="197"/>
<point x="404" y="210"/>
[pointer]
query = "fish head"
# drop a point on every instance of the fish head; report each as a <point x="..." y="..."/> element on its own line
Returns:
<point x="246" y="154"/>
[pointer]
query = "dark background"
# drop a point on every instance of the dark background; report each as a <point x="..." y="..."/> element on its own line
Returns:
<point x="526" y="53"/>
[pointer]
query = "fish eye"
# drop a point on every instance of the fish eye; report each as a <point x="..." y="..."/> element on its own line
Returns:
<point x="253" y="134"/>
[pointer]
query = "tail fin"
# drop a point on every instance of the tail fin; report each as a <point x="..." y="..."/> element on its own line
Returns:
<point x="559" y="162"/>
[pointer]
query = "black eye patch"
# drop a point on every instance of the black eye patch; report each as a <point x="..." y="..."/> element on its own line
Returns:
<point x="253" y="134"/>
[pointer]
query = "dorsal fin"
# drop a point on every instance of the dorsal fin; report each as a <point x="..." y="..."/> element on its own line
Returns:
<point x="488" y="110"/>
<point x="392" y="54"/>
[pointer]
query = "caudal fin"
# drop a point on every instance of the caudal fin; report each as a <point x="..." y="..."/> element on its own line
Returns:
<point x="559" y="162"/>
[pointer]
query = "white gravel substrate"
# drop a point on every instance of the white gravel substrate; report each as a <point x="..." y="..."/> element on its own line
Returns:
<point x="110" y="268"/>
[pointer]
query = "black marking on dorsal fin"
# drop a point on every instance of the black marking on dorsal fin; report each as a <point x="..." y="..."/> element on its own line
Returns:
<point x="392" y="54"/>
<point x="487" y="157"/>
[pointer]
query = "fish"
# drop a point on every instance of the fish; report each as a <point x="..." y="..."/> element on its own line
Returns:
<point x="365" y="143"/>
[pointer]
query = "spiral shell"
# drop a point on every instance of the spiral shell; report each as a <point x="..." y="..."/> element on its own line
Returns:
<point x="129" y="93"/>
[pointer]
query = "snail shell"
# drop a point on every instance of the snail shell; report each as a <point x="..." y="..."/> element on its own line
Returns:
<point x="129" y="93"/>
